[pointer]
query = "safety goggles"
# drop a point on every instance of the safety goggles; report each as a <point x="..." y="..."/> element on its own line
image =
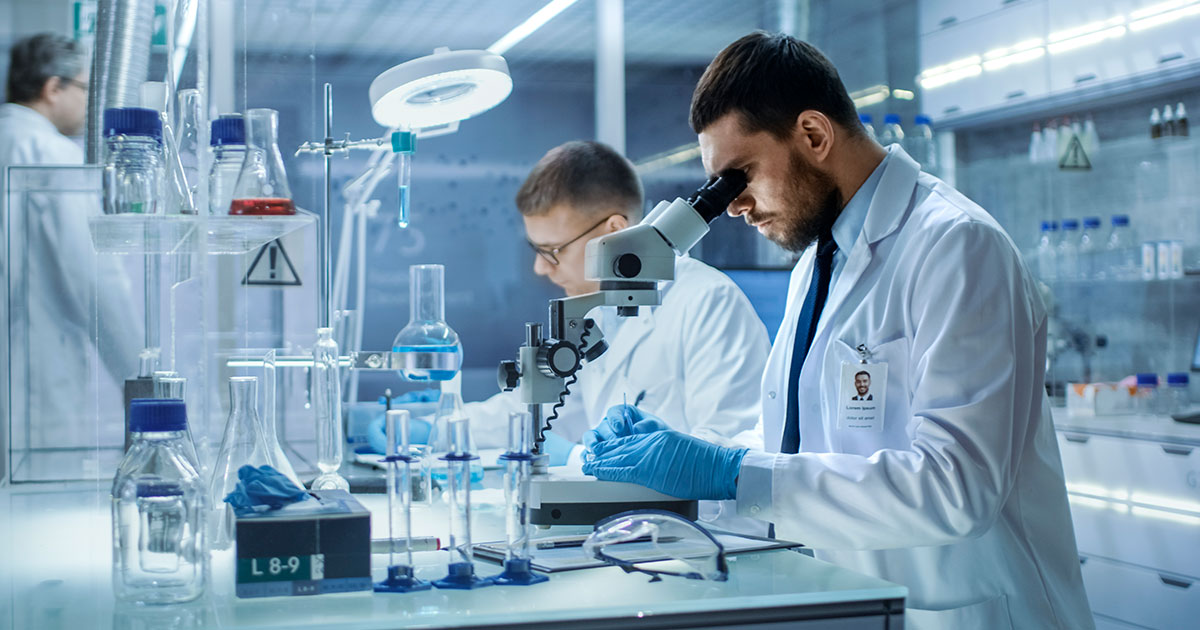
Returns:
<point x="625" y="539"/>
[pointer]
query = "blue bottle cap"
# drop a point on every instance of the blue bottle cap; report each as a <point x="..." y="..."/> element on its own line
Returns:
<point x="1177" y="378"/>
<point x="922" y="119"/>
<point x="1147" y="379"/>
<point x="1091" y="222"/>
<point x="1045" y="226"/>
<point x="132" y="121"/>
<point x="1120" y="220"/>
<point x="865" y="119"/>
<point x="1070" y="224"/>
<point x="891" y="118"/>
<point x="228" y="129"/>
<point x="148" y="415"/>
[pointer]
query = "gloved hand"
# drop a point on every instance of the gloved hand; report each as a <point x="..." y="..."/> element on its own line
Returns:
<point x="558" y="448"/>
<point x="263" y="488"/>
<point x="670" y="462"/>
<point x="418" y="433"/>
<point x="622" y="421"/>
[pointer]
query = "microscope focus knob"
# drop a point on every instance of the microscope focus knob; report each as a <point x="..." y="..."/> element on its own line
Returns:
<point x="558" y="358"/>
<point x="594" y="351"/>
<point x="508" y="376"/>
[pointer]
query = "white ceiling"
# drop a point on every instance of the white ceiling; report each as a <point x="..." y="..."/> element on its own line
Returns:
<point x="664" y="32"/>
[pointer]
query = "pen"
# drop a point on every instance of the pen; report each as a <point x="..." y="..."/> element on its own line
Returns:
<point x="419" y="543"/>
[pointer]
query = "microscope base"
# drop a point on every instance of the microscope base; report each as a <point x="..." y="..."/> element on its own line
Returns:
<point x="571" y="500"/>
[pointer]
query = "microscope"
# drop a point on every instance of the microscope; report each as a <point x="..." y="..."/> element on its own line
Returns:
<point x="629" y="265"/>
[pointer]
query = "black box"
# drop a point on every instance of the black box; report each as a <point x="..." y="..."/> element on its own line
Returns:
<point x="309" y="553"/>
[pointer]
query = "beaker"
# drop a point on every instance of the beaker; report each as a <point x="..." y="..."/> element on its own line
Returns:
<point x="262" y="186"/>
<point x="245" y="443"/>
<point x="427" y="349"/>
<point x="327" y="407"/>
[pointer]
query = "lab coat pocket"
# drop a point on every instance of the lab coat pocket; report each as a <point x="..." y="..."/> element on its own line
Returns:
<point x="989" y="614"/>
<point x="895" y="418"/>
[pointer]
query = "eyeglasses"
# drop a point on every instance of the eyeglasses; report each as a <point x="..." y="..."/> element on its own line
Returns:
<point x="551" y="254"/>
<point x="79" y="84"/>
<point x="677" y="546"/>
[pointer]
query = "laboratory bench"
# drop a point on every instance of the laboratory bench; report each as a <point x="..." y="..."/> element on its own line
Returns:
<point x="55" y="541"/>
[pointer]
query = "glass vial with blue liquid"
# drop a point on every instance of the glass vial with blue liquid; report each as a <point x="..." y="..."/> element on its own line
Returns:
<point x="399" y="460"/>
<point x="518" y="465"/>
<point x="427" y="349"/>
<point x="458" y="501"/>
<point x="404" y="145"/>
<point x="158" y="511"/>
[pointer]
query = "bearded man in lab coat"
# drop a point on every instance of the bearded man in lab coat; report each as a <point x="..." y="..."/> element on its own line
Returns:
<point x="950" y="481"/>
<point x="67" y="283"/>
<point x="696" y="359"/>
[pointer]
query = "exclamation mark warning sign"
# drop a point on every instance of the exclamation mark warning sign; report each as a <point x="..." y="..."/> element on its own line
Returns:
<point x="272" y="267"/>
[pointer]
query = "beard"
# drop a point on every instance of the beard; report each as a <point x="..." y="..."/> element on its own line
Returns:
<point x="814" y="202"/>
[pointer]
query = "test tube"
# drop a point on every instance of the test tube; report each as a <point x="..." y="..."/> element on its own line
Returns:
<point x="458" y="492"/>
<point x="399" y="486"/>
<point x="518" y="463"/>
<point x="404" y="144"/>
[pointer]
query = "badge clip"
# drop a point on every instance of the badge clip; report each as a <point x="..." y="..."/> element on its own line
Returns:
<point x="863" y="353"/>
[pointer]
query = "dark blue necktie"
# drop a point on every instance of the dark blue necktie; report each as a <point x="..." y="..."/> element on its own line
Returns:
<point x="806" y="328"/>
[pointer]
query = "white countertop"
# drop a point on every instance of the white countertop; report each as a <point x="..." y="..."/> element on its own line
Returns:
<point x="55" y="541"/>
<point x="1137" y="427"/>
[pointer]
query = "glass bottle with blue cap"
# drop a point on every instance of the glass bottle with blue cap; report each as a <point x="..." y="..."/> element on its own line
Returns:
<point x="158" y="508"/>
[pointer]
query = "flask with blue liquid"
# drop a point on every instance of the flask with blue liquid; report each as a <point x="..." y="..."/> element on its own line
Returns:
<point x="427" y="349"/>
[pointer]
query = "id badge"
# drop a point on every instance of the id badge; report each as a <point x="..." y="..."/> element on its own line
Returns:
<point x="862" y="389"/>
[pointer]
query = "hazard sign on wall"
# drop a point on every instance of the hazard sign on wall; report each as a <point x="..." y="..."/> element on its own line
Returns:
<point x="272" y="268"/>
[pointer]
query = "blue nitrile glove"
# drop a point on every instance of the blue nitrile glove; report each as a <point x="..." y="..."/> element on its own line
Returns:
<point x="558" y="448"/>
<point x="418" y="430"/>
<point x="263" y="488"/>
<point x="622" y="421"/>
<point x="670" y="462"/>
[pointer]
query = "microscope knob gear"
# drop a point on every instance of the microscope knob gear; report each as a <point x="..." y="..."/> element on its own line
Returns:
<point x="558" y="358"/>
<point x="508" y="376"/>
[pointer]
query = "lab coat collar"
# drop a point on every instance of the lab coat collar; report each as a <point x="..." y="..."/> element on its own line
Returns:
<point x="891" y="197"/>
<point x="850" y="222"/>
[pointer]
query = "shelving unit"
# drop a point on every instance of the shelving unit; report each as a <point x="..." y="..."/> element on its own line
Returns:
<point x="190" y="234"/>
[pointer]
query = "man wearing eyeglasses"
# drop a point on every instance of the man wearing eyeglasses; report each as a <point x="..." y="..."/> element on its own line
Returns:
<point x="696" y="359"/>
<point x="70" y="288"/>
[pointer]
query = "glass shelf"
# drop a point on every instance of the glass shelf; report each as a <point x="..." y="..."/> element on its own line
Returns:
<point x="179" y="233"/>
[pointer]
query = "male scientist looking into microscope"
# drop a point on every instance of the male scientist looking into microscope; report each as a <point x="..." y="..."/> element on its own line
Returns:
<point x="950" y="482"/>
<point x="68" y="284"/>
<point x="661" y="360"/>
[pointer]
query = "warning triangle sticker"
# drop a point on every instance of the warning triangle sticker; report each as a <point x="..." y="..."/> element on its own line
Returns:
<point x="272" y="268"/>
<point x="1075" y="157"/>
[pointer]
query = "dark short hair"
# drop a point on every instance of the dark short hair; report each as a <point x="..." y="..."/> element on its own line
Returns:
<point x="589" y="176"/>
<point x="38" y="58"/>
<point x="863" y="373"/>
<point x="770" y="79"/>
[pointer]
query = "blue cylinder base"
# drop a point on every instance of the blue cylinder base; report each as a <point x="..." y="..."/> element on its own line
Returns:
<point x="462" y="576"/>
<point x="517" y="573"/>
<point x="400" y="580"/>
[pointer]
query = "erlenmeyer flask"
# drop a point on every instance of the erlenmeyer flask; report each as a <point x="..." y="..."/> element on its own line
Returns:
<point x="427" y="349"/>
<point x="245" y="443"/>
<point x="262" y="186"/>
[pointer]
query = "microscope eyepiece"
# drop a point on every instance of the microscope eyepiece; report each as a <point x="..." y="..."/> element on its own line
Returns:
<point x="711" y="199"/>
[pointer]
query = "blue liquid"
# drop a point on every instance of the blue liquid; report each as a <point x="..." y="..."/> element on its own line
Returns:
<point x="402" y="220"/>
<point x="431" y="374"/>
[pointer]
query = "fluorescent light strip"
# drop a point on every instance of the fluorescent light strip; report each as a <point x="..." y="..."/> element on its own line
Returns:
<point x="1092" y="27"/>
<point x="953" y="76"/>
<point x="526" y="28"/>
<point x="973" y="60"/>
<point x="1155" y="9"/>
<point x="1086" y="40"/>
<point x="1164" y="18"/>
<point x="870" y="96"/>
<point x="903" y="95"/>
<point x="1013" y="59"/>
<point x="673" y="157"/>
<point x="1015" y="48"/>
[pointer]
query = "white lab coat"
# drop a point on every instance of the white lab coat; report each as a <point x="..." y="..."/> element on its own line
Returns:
<point x="71" y="290"/>
<point x="698" y="357"/>
<point x="961" y="497"/>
